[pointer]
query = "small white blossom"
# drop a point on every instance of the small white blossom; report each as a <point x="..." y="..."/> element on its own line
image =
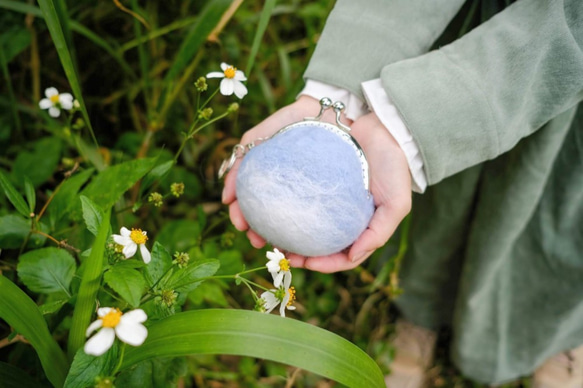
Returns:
<point x="111" y="322"/>
<point x="54" y="102"/>
<point x="130" y="240"/>
<point x="278" y="267"/>
<point x="283" y="295"/>
<point x="231" y="80"/>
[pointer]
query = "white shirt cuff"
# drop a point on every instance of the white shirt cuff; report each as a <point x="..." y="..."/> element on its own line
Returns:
<point x="354" y="106"/>
<point x="387" y="112"/>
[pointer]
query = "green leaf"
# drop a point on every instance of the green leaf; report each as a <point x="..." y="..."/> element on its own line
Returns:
<point x="65" y="199"/>
<point x="14" y="41"/>
<point x="157" y="373"/>
<point x="20" y="312"/>
<point x="155" y="174"/>
<point x="52" y="307"/>
<point x="128" y="283"/>
<point x="261" y="27"/>
<point x="30" y="194"/>
<point x="179" y="235"/>
<point x="160" y="264"/>
<point x="56" y="30"/>
<point x="14" y="230"/>
<point x="86" y="368"/>
<point x="211" y="292"/>
<point x="90" y="283"/>
<point x="249" y="333"/>
<point x="92" y="214"/>
<point x="46" y="270"/>
<point x="13" y="196"/>
<point x="207" y="20"/>
<point x="39" y="164"/>
<point x="13" y="377"/>
<point x="107" y="187"/>
<point x="186" y="279"/>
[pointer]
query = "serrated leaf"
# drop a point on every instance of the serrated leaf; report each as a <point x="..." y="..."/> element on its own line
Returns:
<point x="186" y="279"/>
<point x="86" y="368"/>
<point x="128" y="283"/>
<point x="271" y="337"/>
<point x="46" y="270"/>
<point x="40" y="163"/>
<point x="107" y="187"/>
<point x="21" y="313"/>
<point x="160" y="264"/>
<point x="14" y="230"/>
<point x="13" y="196"/>
<point x="92" y="214"/>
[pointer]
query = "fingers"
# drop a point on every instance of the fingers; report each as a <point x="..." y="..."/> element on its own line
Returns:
<point x="256" y="240"/>
<point x="229" y="191"/>
<point x="237" y="217"/>
<point x="383" y="224"/>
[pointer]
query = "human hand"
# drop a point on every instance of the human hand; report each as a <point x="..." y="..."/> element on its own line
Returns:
<point x="390" y="186"/>
<point x="303" y="107"/>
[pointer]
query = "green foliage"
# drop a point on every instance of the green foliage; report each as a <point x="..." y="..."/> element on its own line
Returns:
<point x="85" y="368"/>
<point x="47" y="270"/>
<point x="13" y="377"/>
<point x="38" y="164"/>
<point x="127" y="282"/>
<point x="92" y="214"/>
<point x="13" y="196"/>
<point x="155" y="373"/>
<point x="15" y="231"/>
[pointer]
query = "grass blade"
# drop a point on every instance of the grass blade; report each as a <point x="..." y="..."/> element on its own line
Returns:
<point x="90" y="282"/>
<point x="248" y="333"/>
<point x="56" y="30"/>
<point x="207" y="20"/>
<point x="261" y="27"/>
<point x="20" y="312"/>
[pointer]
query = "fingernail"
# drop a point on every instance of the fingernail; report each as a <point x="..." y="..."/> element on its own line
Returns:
<point x="361" y="256"/>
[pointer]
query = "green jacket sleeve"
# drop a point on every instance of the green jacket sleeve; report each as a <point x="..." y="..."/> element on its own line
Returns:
<point x="474" y="99"/>
<point x="362" y="36"/>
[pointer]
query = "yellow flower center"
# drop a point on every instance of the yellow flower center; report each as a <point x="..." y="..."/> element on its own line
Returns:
<point x="138" y="236"/>
<point x="54" y="99"/>
<point x="284" y="264"/>
<point x="230" y="72"/>
<point x="292" y="296"/>
<point x="111" y="319"/>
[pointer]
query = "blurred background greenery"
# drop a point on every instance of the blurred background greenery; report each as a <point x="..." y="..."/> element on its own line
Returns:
<point x="123" y="53"/>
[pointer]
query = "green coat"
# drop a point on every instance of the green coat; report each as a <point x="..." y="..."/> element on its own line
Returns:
<point x="496" y="248"/>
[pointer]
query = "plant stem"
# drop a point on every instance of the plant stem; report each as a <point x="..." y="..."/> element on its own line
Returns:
<point x="123" y="348"/>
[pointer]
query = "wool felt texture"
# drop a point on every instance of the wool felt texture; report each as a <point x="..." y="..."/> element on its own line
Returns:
<point x="303" y="191"/>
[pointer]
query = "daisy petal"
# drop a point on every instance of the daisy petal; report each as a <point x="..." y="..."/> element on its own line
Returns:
<point x="145" y="253"/>
<point x="94" y="326"/>
<point x="287" y="278"/>
<point x="130" y="250"/>
<point x="121" y="240"/>
<point x="45" y="103"/>
<point x="131" y="333"/>
<point x="215" y="74"/>
<point x="240" y="89"/>
<point x="282" y="309"/>
<point x="100" y="342"/>
<point x="227" y="87"/>
<point x="66" y="101"/>
<point x="103" y="311"/>
<point x="54" y="112"/>
<point x="277" y="279"/>
<point x="134" y="316"/>
<point x="125" y="231"/>
<point x="275" y="255"/>
<point x="49" y="92"/>
<point x="224" y="66"/>
<point x="240" y="76"/>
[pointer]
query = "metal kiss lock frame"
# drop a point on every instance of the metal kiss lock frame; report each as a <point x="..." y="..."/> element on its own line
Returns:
<point x="341" y="130"/>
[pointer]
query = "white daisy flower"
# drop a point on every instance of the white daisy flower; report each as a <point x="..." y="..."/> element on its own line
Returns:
<point x="231" y="80"/>
<point x="283" y="296"/>
<point x="112" y="322"/>
<point x="278" y="267"/>
<point x="130" y="241"/>
<point x="54" y="102"/>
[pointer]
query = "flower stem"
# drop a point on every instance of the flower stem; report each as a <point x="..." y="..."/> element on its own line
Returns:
<point x="123" y="348"/>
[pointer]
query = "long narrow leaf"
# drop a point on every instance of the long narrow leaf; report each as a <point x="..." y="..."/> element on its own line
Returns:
<point x="248" y="333"/>
<point x="261" y="27"/>
<point x="56" y="30"/>
<point x="207" y="20"/>
<point x="13" y="377"/>
<point x="90" y="282"/>
<point x="20" y="312"/>
<point x="13" y="196"/>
